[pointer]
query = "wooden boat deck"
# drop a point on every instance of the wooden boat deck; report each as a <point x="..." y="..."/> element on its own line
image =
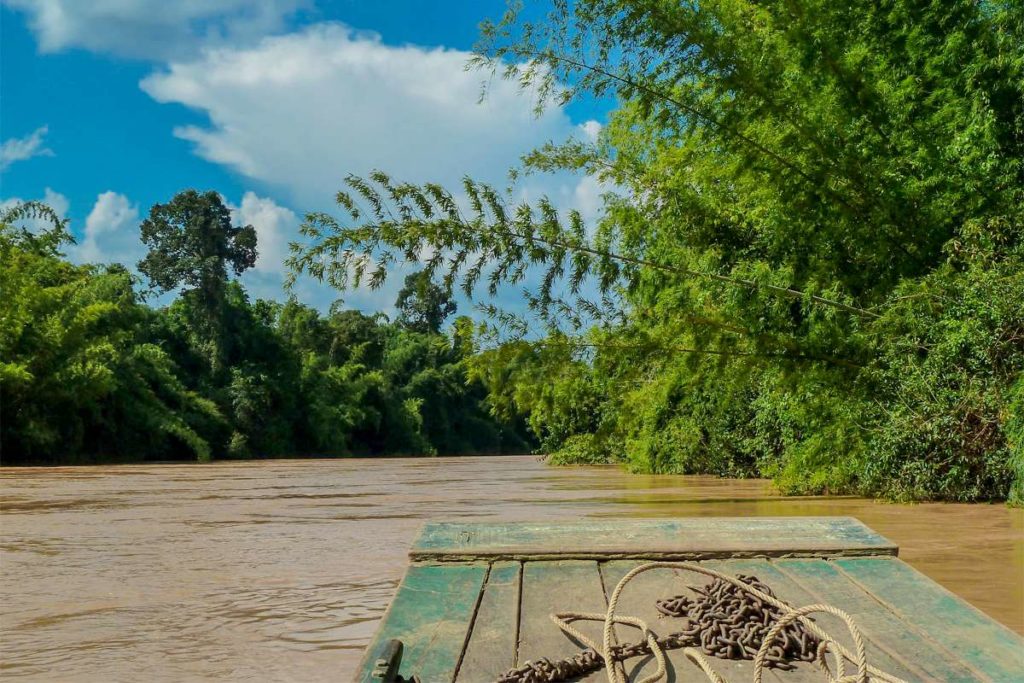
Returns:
<point x="476" y="598"/>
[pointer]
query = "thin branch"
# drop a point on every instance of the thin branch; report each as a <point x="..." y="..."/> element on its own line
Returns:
<point x="710" y="352"/>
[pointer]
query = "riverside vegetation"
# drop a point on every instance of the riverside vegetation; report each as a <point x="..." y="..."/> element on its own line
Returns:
<point x="809" y="266"/>
<point x="91" y="373"/>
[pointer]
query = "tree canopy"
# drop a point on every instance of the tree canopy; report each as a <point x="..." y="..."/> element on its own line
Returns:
<point x="192" y="243"/>
<point x="423" y="305"/>
<point x="79" y="374"/>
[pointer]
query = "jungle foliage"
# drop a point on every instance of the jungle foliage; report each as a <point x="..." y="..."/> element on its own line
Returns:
<point x="90" y="373"/>
<point x="809" y="263"/>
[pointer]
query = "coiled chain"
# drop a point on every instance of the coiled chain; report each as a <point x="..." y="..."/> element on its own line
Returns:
<point x="723" y="621"/>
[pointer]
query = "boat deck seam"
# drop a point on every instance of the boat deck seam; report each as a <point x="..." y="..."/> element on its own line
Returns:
<point x="472" y="622"/>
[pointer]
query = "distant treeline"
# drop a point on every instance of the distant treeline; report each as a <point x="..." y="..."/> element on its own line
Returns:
<point x="90" y="373"/>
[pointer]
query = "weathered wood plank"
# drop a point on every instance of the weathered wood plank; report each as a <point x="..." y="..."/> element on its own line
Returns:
<point x="693" y="538"/>
<point x="980" y="642"/>
<point x="638" y="600"/>
<point x="492" y="645"/>
<point x="797" y="594"/>
<point x="915" y="628"/>
<point x="562" y="586"/>
<point x="431" y="615"/>
<point x="921" y="657"/>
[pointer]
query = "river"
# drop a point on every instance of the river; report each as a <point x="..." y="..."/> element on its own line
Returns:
<point x="280" y="570"/>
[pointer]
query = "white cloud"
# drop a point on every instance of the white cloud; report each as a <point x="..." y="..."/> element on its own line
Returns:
<point x="55" y="200"/>
<point x="276" y="226"/>
<point x="298" y="113"/>
<point x="301" y="111"/>
<point x="20" y="149"/>
<point x="590" y="129"/>
<point x="586" y="198"/>
<point x="111" y="232"/>
<point x="151" y="29"/>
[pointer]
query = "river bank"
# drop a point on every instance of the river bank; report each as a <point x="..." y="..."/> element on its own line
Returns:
<point x="281" y="569"/>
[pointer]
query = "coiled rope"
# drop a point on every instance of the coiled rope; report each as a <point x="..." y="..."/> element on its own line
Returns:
<point x="608" y="653"/>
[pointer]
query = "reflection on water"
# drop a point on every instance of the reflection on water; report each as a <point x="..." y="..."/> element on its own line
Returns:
<point x="280" y="570"/>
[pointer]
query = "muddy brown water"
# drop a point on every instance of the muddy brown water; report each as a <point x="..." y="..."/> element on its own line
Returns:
<point x="280" y="570"/>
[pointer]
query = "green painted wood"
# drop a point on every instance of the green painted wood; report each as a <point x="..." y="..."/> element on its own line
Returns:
<point x="638" y="599"/>
<point x="797" y="594"/>
<point x="450" y="621"/>
<point x="922" y="657"/>
<point x="980" y="642"/>
<point x="689" y="538"/>
<point x="558" y="587"/>
<point x="431" y="615"/>
<point x="492" y="645"/>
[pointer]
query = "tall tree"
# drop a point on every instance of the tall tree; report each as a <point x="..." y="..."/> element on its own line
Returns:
<point x="423" y="305"/>
<point x="192" y="244"/>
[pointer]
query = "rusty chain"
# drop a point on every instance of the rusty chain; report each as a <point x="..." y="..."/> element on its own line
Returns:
<point x="723" y="621"/>
<point x="732" y="624"/>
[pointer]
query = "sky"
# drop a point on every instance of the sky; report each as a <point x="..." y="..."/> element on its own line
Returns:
<point x="110" y="106"/>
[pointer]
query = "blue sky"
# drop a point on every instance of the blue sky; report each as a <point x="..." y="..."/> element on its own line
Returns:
<point x="108" y="107"/>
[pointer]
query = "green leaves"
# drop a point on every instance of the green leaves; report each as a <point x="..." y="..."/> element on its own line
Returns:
<point x="90" y="373"/>
<point x="78" y="376"/>
<point x="422" y="305"/>
<point x="192" y="244"/>
<point x="807" y="202"/>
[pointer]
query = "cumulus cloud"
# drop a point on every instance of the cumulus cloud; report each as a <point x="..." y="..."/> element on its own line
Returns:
<point x="301" y="111"/>
<point x="587" y="198"/>
<point x="20" y="149"/>
<point x="297" y="113"/>
<point x="590" y="129"/>
<point x="151" y="29"/>
<point x="56" y="201"/>
<point x="276" y="226"/>
<point x="111" y="232"/>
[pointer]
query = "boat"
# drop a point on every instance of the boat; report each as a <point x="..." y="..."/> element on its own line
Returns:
<point x="477" y="599"/>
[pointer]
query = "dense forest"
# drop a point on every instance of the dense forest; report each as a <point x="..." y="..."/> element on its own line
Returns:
<point x="810" y="262"/>
<point x="809" y="266"/>
<point x="90" y="373"/>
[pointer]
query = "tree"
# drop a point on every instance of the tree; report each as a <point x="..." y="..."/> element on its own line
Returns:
<point x="422" y="304"/>
<point x="192" y="243"/>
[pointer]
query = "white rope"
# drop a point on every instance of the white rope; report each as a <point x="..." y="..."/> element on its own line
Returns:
<point x="865" y="672"/>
